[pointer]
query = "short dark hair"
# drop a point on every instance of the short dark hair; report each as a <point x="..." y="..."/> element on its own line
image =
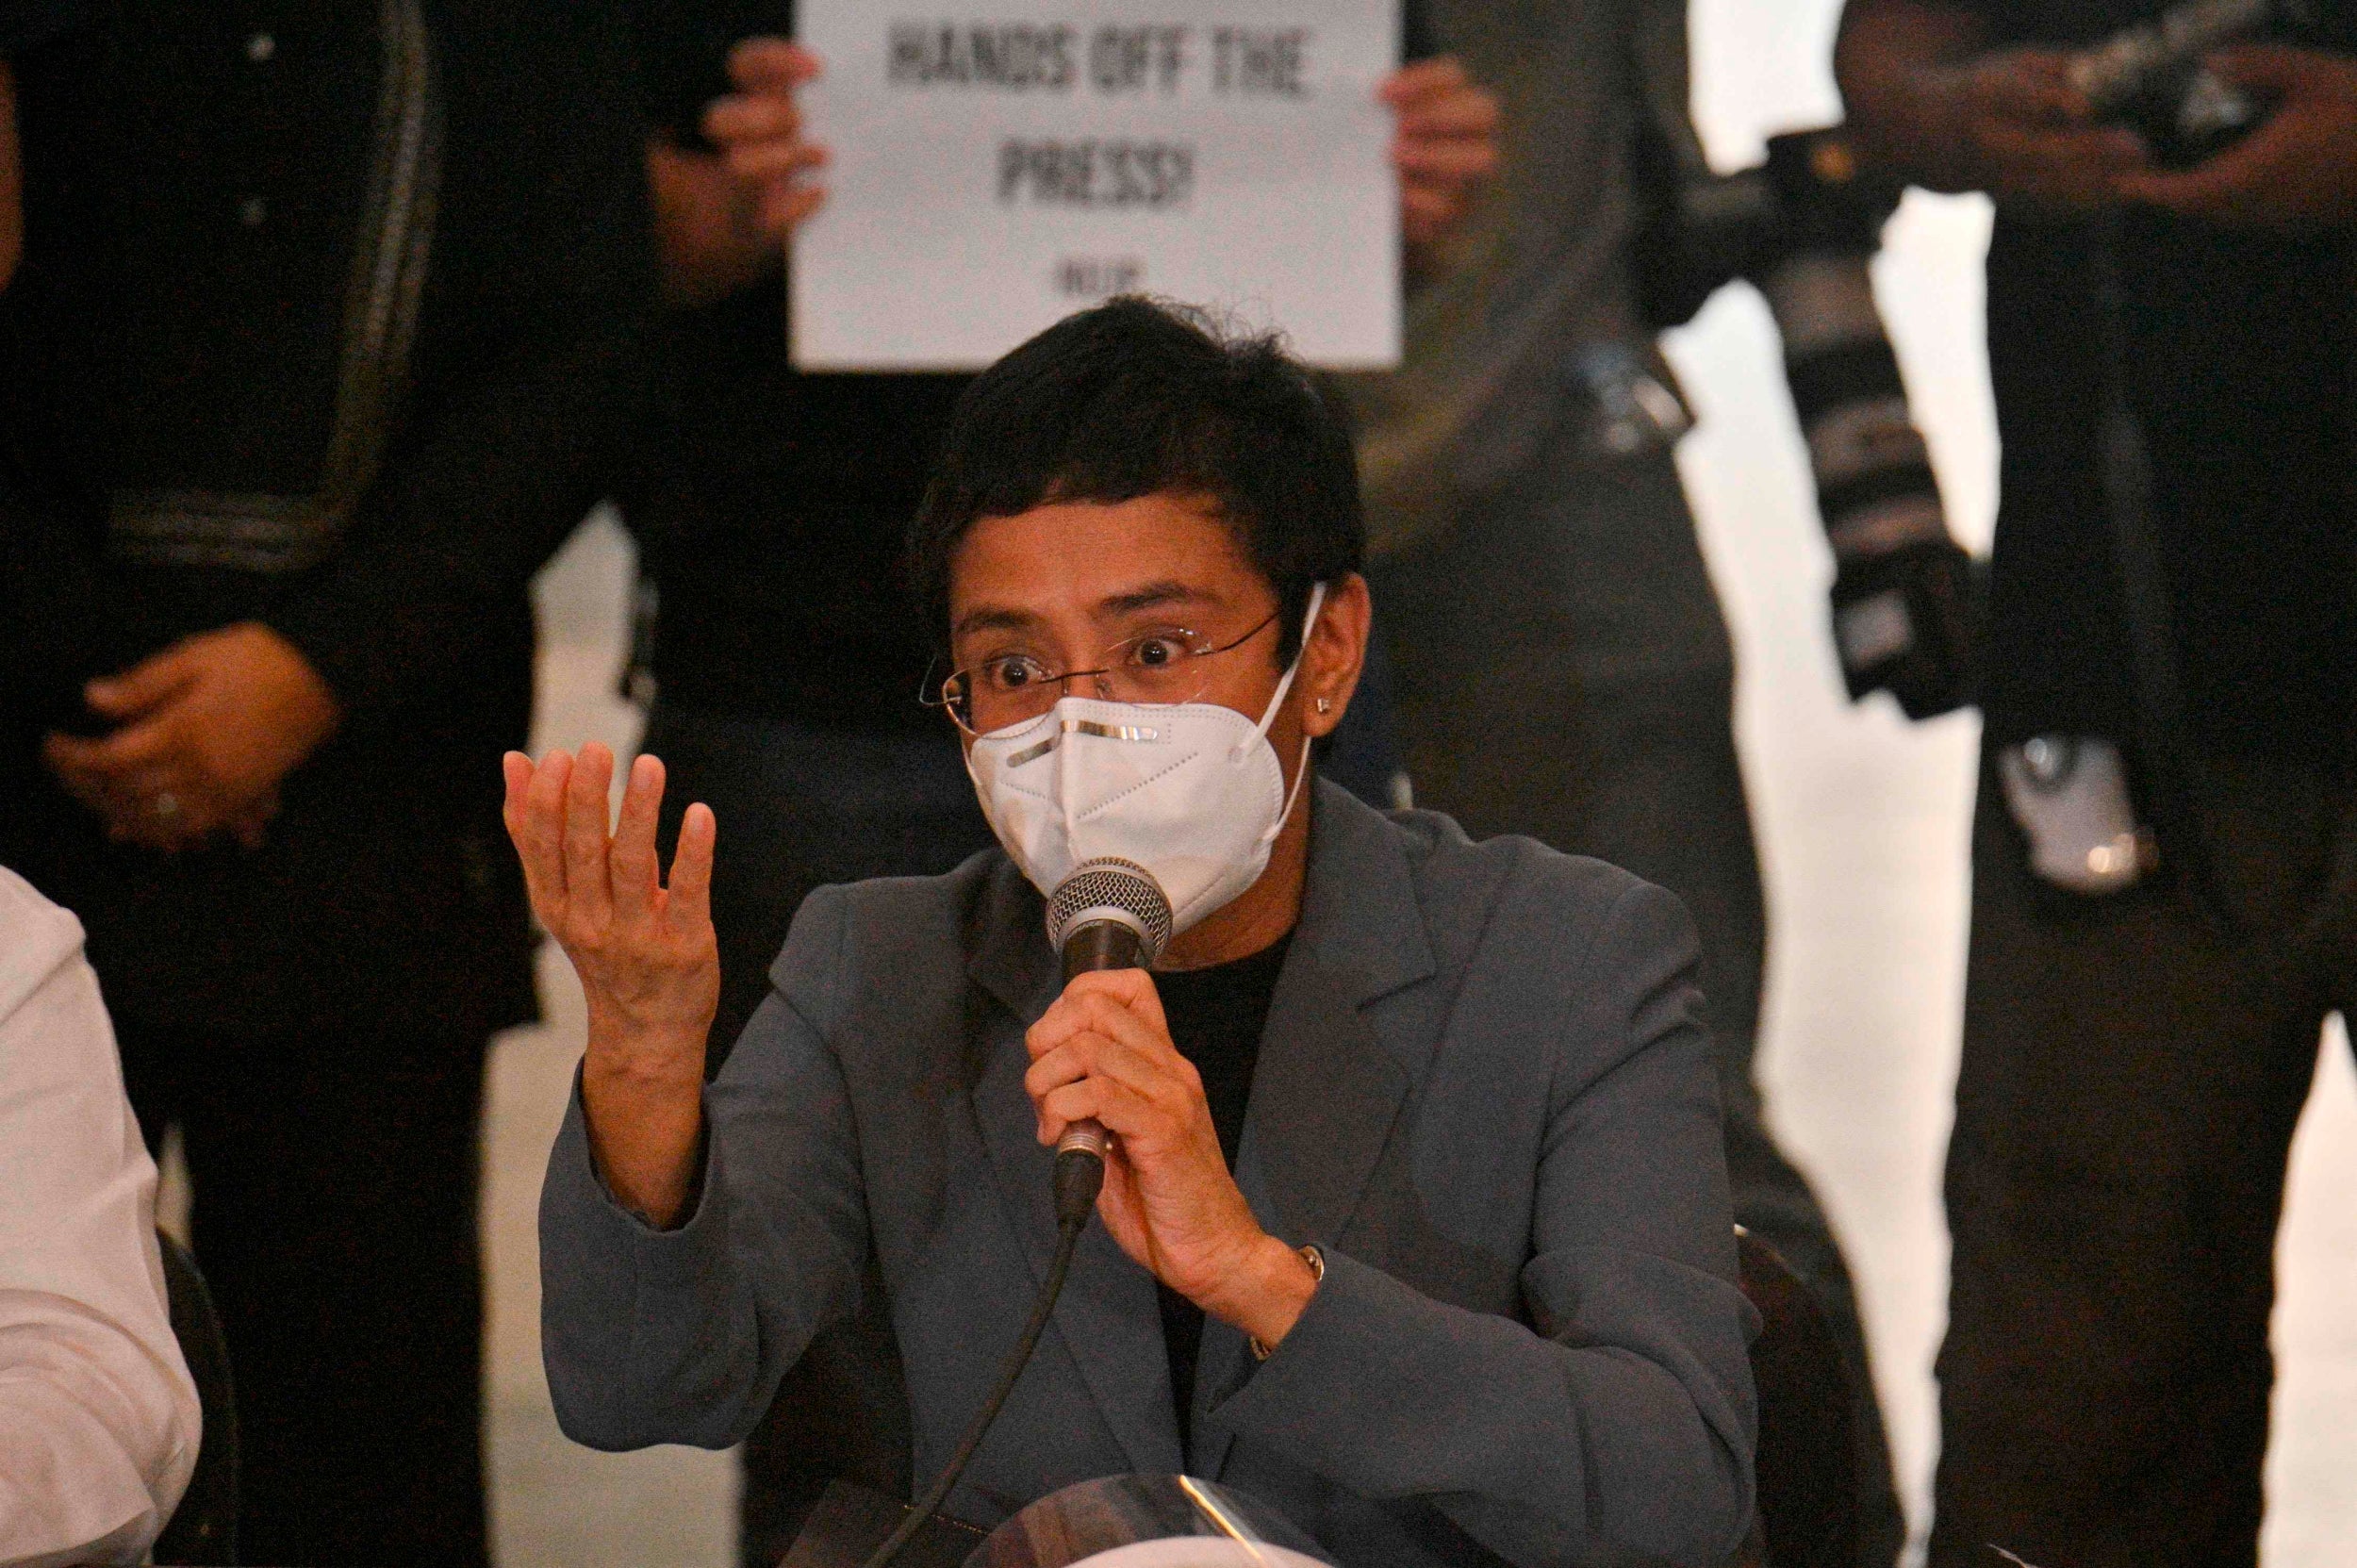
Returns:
<point x="1135" y="398"/>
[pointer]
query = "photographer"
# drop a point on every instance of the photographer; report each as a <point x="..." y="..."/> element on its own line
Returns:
<point x="2162" y="896"/>
<point x="1535" y="556"/>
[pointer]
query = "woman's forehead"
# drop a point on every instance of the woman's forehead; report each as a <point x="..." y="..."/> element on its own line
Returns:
<point x="1092" y="561"/>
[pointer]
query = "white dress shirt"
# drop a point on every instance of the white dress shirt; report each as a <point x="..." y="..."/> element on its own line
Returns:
<point x="98" y="1418"/>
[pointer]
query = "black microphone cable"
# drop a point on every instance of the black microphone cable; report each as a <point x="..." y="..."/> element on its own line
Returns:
<point x="1108" y="915"/>
<point x="1078" y="1176"/>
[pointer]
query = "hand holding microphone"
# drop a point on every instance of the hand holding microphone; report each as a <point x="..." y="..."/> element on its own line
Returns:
<point x="1107" y="914"/>
<point x="1133" y="1137"/>
<point x="1111" y="1089"/>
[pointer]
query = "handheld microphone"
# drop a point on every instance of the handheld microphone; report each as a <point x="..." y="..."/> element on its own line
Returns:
<point x="1109" y="914"/>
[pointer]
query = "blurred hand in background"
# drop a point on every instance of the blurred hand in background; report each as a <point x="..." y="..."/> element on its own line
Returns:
<point x="2297" y="170"/>
<point x="722" y="215"/>
<point x="206" y="732"/>
<point x="1447" y="147"/>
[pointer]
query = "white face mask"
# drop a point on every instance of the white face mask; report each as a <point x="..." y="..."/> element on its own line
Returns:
<point x="1191" y="791"/>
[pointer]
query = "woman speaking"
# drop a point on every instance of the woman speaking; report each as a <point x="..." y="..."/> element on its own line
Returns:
<point x="1414" y="1222"/>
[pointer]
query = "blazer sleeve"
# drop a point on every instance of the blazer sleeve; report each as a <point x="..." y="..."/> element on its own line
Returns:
<point x="515" y="427"/>
<point x="682" y="1336"/>
<point x="1623" y="1415"/>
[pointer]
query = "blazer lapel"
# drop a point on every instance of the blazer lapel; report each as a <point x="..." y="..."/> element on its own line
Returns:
<point x="1108" y="1316"/>
<point x="1330" y="1081"/>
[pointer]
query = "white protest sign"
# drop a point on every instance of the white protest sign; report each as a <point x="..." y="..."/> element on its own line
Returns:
<point x="993" y="170"/>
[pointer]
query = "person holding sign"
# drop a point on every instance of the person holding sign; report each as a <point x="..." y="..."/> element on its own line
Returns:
<point x="1414" y="1222"/>
<point x="769" y="507"/>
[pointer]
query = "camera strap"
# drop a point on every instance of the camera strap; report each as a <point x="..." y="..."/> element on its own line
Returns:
<point x="2128" y="484"/>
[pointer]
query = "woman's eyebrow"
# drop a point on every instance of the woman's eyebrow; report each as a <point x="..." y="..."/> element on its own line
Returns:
<point x="1152" y="596"/>
<point x="993" y="618"/>
<point x="1148" y="596"/>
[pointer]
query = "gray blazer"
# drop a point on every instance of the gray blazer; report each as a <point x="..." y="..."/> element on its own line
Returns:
<point x="1483" y="1091"/>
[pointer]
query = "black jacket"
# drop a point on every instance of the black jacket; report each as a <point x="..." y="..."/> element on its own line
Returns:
<point x="2237" y="353"/>
<point x="323" y="321"/>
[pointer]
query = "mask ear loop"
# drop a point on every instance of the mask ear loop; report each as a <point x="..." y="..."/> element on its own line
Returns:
<point x="1301" y="775"/>
<point x="1260" y="732"/>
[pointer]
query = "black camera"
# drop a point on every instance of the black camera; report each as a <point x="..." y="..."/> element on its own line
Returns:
<point x="1814" y="195"/>
<point x="2151" y="78"/>
<point x="1803" y="227"/>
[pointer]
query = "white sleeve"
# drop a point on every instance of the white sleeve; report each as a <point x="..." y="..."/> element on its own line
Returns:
<point x="99" y="1422"/>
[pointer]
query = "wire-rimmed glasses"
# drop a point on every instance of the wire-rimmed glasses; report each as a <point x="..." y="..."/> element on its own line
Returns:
<point x="1163" y="665"/>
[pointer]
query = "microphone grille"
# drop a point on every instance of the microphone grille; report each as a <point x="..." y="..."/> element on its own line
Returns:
<point x="1115" y="889"/>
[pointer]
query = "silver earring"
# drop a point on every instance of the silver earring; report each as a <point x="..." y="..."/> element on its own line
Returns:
<point x="1326" y="704"/>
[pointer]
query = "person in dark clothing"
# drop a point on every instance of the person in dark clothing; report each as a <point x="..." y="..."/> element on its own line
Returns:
<point x="769" y="508"/>
<point x="39" y="561"/>
<point x="313" y="357"/>
<point x="1535" y="555"/>
<point x="2172" y="653"/>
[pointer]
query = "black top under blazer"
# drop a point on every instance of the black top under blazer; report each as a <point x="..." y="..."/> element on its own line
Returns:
<point x="1485" y="1090"/>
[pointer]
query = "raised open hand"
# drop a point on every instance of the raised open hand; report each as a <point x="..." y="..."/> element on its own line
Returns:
<point x="650" y="966"/>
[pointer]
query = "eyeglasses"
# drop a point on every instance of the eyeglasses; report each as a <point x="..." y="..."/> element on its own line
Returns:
<point x="1164" y="666"/>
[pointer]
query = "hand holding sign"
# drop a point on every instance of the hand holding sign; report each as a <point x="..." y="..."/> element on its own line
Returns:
<point x="759" y="131"/>
<point x="1448" y="144"/>
<point x="723" y="216"/>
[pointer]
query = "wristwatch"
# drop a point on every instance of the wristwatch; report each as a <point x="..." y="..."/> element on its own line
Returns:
<point x="1316" y="1260"/>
